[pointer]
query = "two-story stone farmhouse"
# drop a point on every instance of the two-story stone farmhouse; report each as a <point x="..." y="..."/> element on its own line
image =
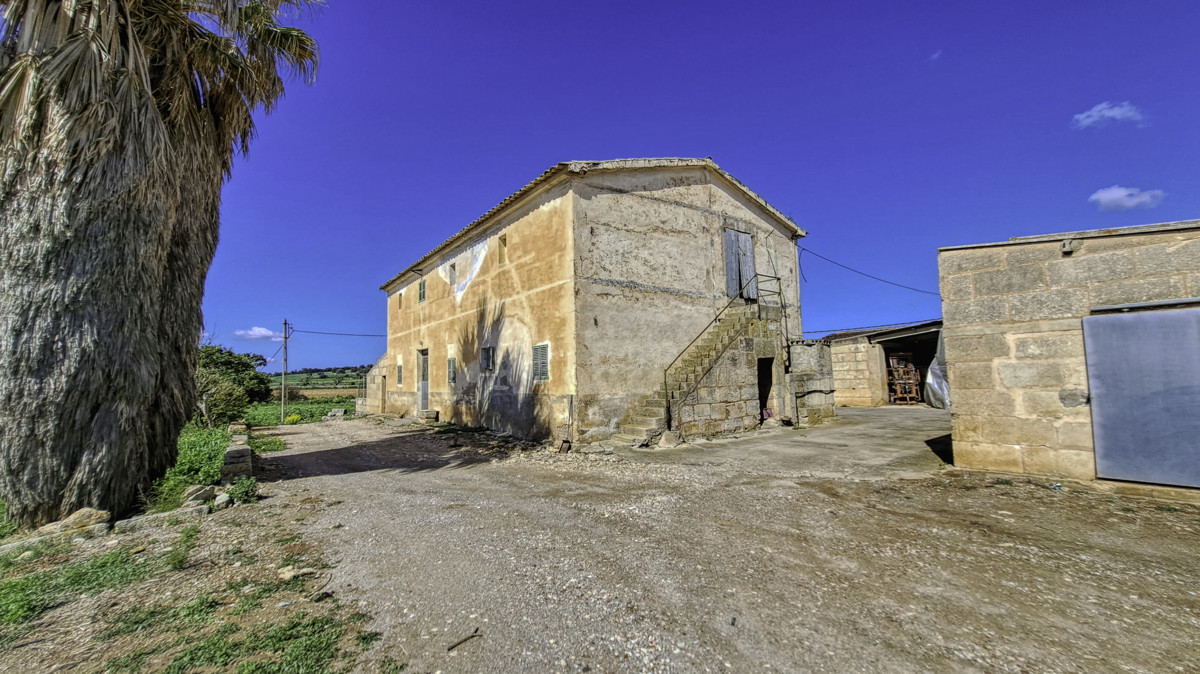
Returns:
<point x="610" y="299"/>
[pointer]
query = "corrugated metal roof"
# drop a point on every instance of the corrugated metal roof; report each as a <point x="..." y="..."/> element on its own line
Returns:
<point x="581" y="167"/>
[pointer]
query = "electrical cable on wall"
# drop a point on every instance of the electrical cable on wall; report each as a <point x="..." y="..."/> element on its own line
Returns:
<point x="804" y="250"/>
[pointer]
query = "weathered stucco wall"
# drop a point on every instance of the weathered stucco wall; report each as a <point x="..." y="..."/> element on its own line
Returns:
<point x="1014" y="339"/>
<point x="811" y="381"/>
<point x="859" y="373"/>
<point x="509" y="305"/>
<point x="650" y="275"/>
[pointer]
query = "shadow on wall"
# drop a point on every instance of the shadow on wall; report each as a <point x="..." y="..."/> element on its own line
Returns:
<point x="503" y="397"/>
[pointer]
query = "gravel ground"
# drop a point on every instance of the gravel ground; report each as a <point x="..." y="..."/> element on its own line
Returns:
<point x="790" y="551"/>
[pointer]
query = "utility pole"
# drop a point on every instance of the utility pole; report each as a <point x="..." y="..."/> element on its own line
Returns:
<point x="283" y="380"/>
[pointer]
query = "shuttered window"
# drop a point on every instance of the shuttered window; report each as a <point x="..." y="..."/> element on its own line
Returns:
<point x="451" y="370"/>
<point x="421" y="291"/>
<point x="487" y="359"/>
<point x="541" y="362"/>
<point x="399" y="375"/>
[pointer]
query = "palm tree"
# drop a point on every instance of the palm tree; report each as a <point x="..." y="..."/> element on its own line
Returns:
<point x="119" y="122"/>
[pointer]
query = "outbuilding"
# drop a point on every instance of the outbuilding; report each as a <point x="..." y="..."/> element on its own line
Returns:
<point x="1077" y="354"/>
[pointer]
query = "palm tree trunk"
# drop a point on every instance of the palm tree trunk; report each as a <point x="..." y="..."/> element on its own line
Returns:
<point x="81" y="353"/>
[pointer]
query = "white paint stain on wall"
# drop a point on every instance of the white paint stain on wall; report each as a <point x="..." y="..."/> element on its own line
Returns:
<point x="466" y="266"/>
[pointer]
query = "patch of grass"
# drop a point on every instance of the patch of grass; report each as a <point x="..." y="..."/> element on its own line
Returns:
<point x="201" y="455"/>
<point x="265" y="444"/>
<point x="267" y="414"/>
<point x="1167" y="509"/>
<point x="176" y="559"/>
<point x="367" y="639"/>
<point x="390" y="666"/>
<point x="8" y="561"/>
<point x="25" y="597"/>
<point x="216" y="650"/>
<point x="286" y="541"/>
<point x="1127" y="509"/>
<point x="7" y="526"/>
<point x="244" y="490"/>
<point x="134" y="662"/>
<point x="303" y="644"/>
<point x="1002" y="482"/>
<point x="136" y="620"/>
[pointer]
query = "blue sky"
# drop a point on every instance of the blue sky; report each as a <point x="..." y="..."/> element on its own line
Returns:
<point x="886" y="129"/>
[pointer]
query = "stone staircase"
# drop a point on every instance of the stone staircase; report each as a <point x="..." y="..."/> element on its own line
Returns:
<point x="647" y="418"/>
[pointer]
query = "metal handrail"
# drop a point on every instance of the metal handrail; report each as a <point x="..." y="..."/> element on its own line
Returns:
<point x="754" y="279"/>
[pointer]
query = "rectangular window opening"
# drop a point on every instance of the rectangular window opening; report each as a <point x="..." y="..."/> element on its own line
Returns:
<point x="451" y="371"/>
<point x="503" y="254"/>
<point x="421" y="291"/>
<point x="400" y="375"/>
<point x="453" y="274"/>
<point x="487" y="359"/>
<point x="541" y="362"/>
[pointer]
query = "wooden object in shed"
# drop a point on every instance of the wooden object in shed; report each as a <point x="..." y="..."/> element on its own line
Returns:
<point x="904" y="380"/>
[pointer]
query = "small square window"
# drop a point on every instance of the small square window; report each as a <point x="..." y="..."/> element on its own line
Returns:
<point x="541" y="362"/>
<point x="451" y="371"/>
<point x="399" y="375"/>
<point x="453" y="274"/>
<point x="421" y="291"/>
<point x="487" y="359"/>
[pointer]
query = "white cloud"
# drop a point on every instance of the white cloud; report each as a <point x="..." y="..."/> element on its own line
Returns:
<point x="1117" y="198"/>
<point x="1103" y="113"/>
<point x="935" y="55"/>
<point x="258" y="334"/>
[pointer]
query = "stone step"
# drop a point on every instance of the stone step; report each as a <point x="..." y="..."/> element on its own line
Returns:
<point x="638" y="431"/>
<point x="653" y="421"/>
<point x="629" y="440"/>
<point x="651" y="411"/>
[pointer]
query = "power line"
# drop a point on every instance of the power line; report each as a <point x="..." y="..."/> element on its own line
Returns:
<point x="873" y="327"/>
<point x="336" y="334"/>
<point x="804" y="250"/>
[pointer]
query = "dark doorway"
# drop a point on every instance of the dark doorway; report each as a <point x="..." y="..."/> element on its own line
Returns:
<point x="766" y="369"/>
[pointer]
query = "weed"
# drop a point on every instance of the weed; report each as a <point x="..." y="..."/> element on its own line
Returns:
<point x="10" y="633"/>
<point x="244" y="490"/>
<point x="1167" y="509"/>
<point x="366" y="639"/>
<point x="27" y="597"/>
<point x="7" y="526"/>
<point x="358" y="617"/>
<point x="286" y="541"/>
<point x="1127" y="509"/>
<point x="198" y="611"/>
<point x="1002" y="482"/>
<point x="114" y="569"/>
<point x="265" y="444"/>
<point x="176" y="559"/>
<point x="339" y="525"/>
<point x="292" y="419"/>
<point x="201" y="455"/>
<point x="390" y="666"/>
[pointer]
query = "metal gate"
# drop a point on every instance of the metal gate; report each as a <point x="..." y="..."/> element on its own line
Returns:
<point x="1144" y="375"/>
<point x="423" y="380"/>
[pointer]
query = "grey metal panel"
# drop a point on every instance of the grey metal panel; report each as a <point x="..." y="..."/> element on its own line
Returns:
<point x="1144" y="376"/>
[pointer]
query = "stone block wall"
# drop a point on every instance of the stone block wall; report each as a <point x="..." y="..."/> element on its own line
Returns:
<point x="859" y="373"/>
<point x="811" y="380"/>
<point x="726" y="399"/>
<point x="1013" y="328"/>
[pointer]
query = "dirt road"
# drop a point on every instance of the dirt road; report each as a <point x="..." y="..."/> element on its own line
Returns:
<point x="839" y="549"/>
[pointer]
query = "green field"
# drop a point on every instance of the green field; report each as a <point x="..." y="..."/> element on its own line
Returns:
<point x="333" y="377"/>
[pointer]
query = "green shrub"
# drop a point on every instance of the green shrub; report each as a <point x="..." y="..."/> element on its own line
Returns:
<point x="244" y="490"/>
<point x="201" y="456"/>
<point x="176" y="559"/>
<point x="292" y="419"/>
